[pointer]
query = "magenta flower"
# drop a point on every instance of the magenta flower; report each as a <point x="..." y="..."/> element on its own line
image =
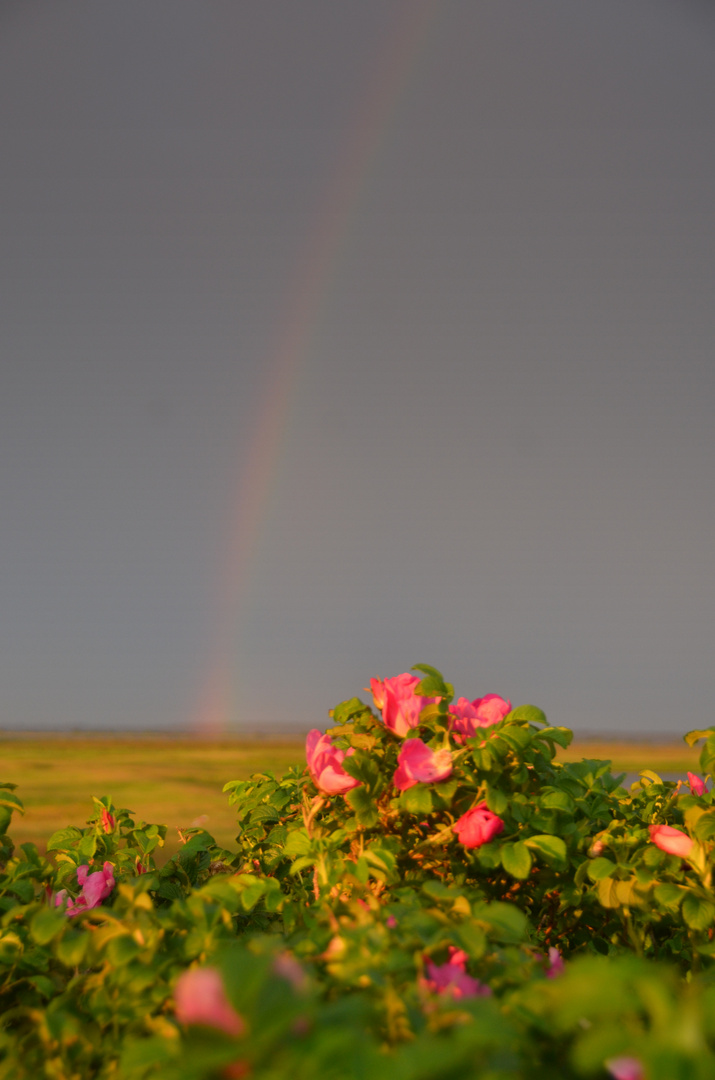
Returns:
<point x="201" y="999"/>
<point x="625" y="1068"/>
<point x="399" y="704"/>
<point x="325" y="764"/>
<point x="467" y="716"/>
<point x="452" y="978"/>
<point x="416" y="763"/>
<point x="673" y="841"/>
<point x="697" y="786"/>
<point x="478" y="826"/>
<point x="556" y="963"/>
<point x="95" y="888"/>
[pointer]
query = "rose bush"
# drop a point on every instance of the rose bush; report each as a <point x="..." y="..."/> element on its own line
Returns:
<point x="434" y="895"/>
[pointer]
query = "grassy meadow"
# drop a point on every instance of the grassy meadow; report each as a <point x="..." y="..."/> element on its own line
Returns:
<point x="177" y="781"/>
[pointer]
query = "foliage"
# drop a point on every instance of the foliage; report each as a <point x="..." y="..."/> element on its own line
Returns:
<point x="514" y="917"/>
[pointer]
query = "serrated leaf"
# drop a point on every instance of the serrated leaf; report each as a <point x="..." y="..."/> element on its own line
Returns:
<point x="551" y="848"/>
<point x="668" y="895"/>
<point x="529" y="713"/>
<point x="516" y="737"/>
<point x="64" y="838"/>
<point x="698" y="733"/>
<point x="46" y="924"/>
<point x="698" y="913"/>
<point x="516" y="859"/>
<point x="416" y="800"/>
<point x="298" y="842"/>
<point x="557" y="800"/>
<point x="560" y="735"/>
<point x="364" y="806"/>
<point x="600" y="868"/>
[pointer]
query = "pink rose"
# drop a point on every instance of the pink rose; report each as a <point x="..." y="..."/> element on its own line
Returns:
<point x="325" y="764"/>
<point x="95" y="888"/>
<point x="467" y="716"/>
<point x="399" y="704"/>
<point x="452" y="979"/>
<point x="697" y="786"/>
<point x="625" y="1068"/>
<point x="416" y="763"/>
<point x="478" y="826"/>
<point x="671" y="840"/>
<point x="201" y="999"/>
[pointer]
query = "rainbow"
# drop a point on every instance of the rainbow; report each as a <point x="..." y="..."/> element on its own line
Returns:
<point x="301" y="314"/>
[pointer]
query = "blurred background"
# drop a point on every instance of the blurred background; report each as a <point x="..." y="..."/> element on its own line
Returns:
<point x="337" y="337"/>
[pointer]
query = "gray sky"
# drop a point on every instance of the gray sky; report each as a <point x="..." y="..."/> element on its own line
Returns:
<point x="495" y="452"/>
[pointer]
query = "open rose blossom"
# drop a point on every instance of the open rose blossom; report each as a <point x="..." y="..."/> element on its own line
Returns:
<point x="416" y="763"/>
<point x="671" y="840"/>
<point x="697" y="786"/>
<point x="325" y="764"/>
<point x="398" y="703"/>
<point x="95" y="888"/>
<point x="452" y="979"/>
<point x="478" y="826"/>
<point x="201" y="999"/>
<point x="466" y="716"/>
<point x="625" y="1068"/>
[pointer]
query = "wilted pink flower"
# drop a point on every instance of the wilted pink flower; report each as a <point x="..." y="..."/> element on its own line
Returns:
<point x="451" y="978"/>
<point x="556" y="963"/>
<point x="478" y="826"/>
<point x="625" y="1068"/>
<point x="674" y="841"/>
<point x="325" y="764"/>
<point x="399" y="704"/>
<point x="467" y="716"/>
<point x="697" y="786"/>
<point x="108" y="821"/>
<point x="201" y="999"/>
<point x="416" y="763"/>
<point x="95" y="888"/>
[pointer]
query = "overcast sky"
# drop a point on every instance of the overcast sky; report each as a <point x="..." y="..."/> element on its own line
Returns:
<point x="342" y="335"/>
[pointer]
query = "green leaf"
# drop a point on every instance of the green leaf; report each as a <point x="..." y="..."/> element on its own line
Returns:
<point x="122" y="949"/>
<point x="298" y="842"/>
<point x="497" y="801"/>
<point x="529" y="713"/>
<point x="704" y="828"/>
<point x="72" y="947"/>
<point x="11" y="801"/>
<point x="64" y="838"/>
<point x="557" y="800"/>
<point x="46" y="924"/>
<point x="650" y="776"/>
<point x="560" y="735"/>
<point x="252" y="893"/>
<point x="416" y="800"/>
<point x="698" y="913"/>
<point x="505" y="922"/>
<point x="516" y="859"/>
<point x="600" y="868"/>
<point x="552" y="848"/>
<point x="668" y="895"/>
<point x="350" y="710"/>
<point x="516" y="737"/>
<point x="364" y="806"/>
<point x="699" y="733"/>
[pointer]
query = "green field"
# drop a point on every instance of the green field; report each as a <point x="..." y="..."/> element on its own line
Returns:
<point x="178" y="781"/>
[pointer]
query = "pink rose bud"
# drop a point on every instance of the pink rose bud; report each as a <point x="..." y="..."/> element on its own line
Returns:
<point x="625" y="1068"/>
<point x="452" y="978"/>
<point x="398" y="703"/>
<point x="201" y="999"/>
<point x="416" y="763"/>
<point x="671" y="840"/>
<point x="108" y="821"/>
<point x="478" y="826"/>
<point x="466" y="716"/>
<point x="325" y="764"/>
<point x="697" y="786"/>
